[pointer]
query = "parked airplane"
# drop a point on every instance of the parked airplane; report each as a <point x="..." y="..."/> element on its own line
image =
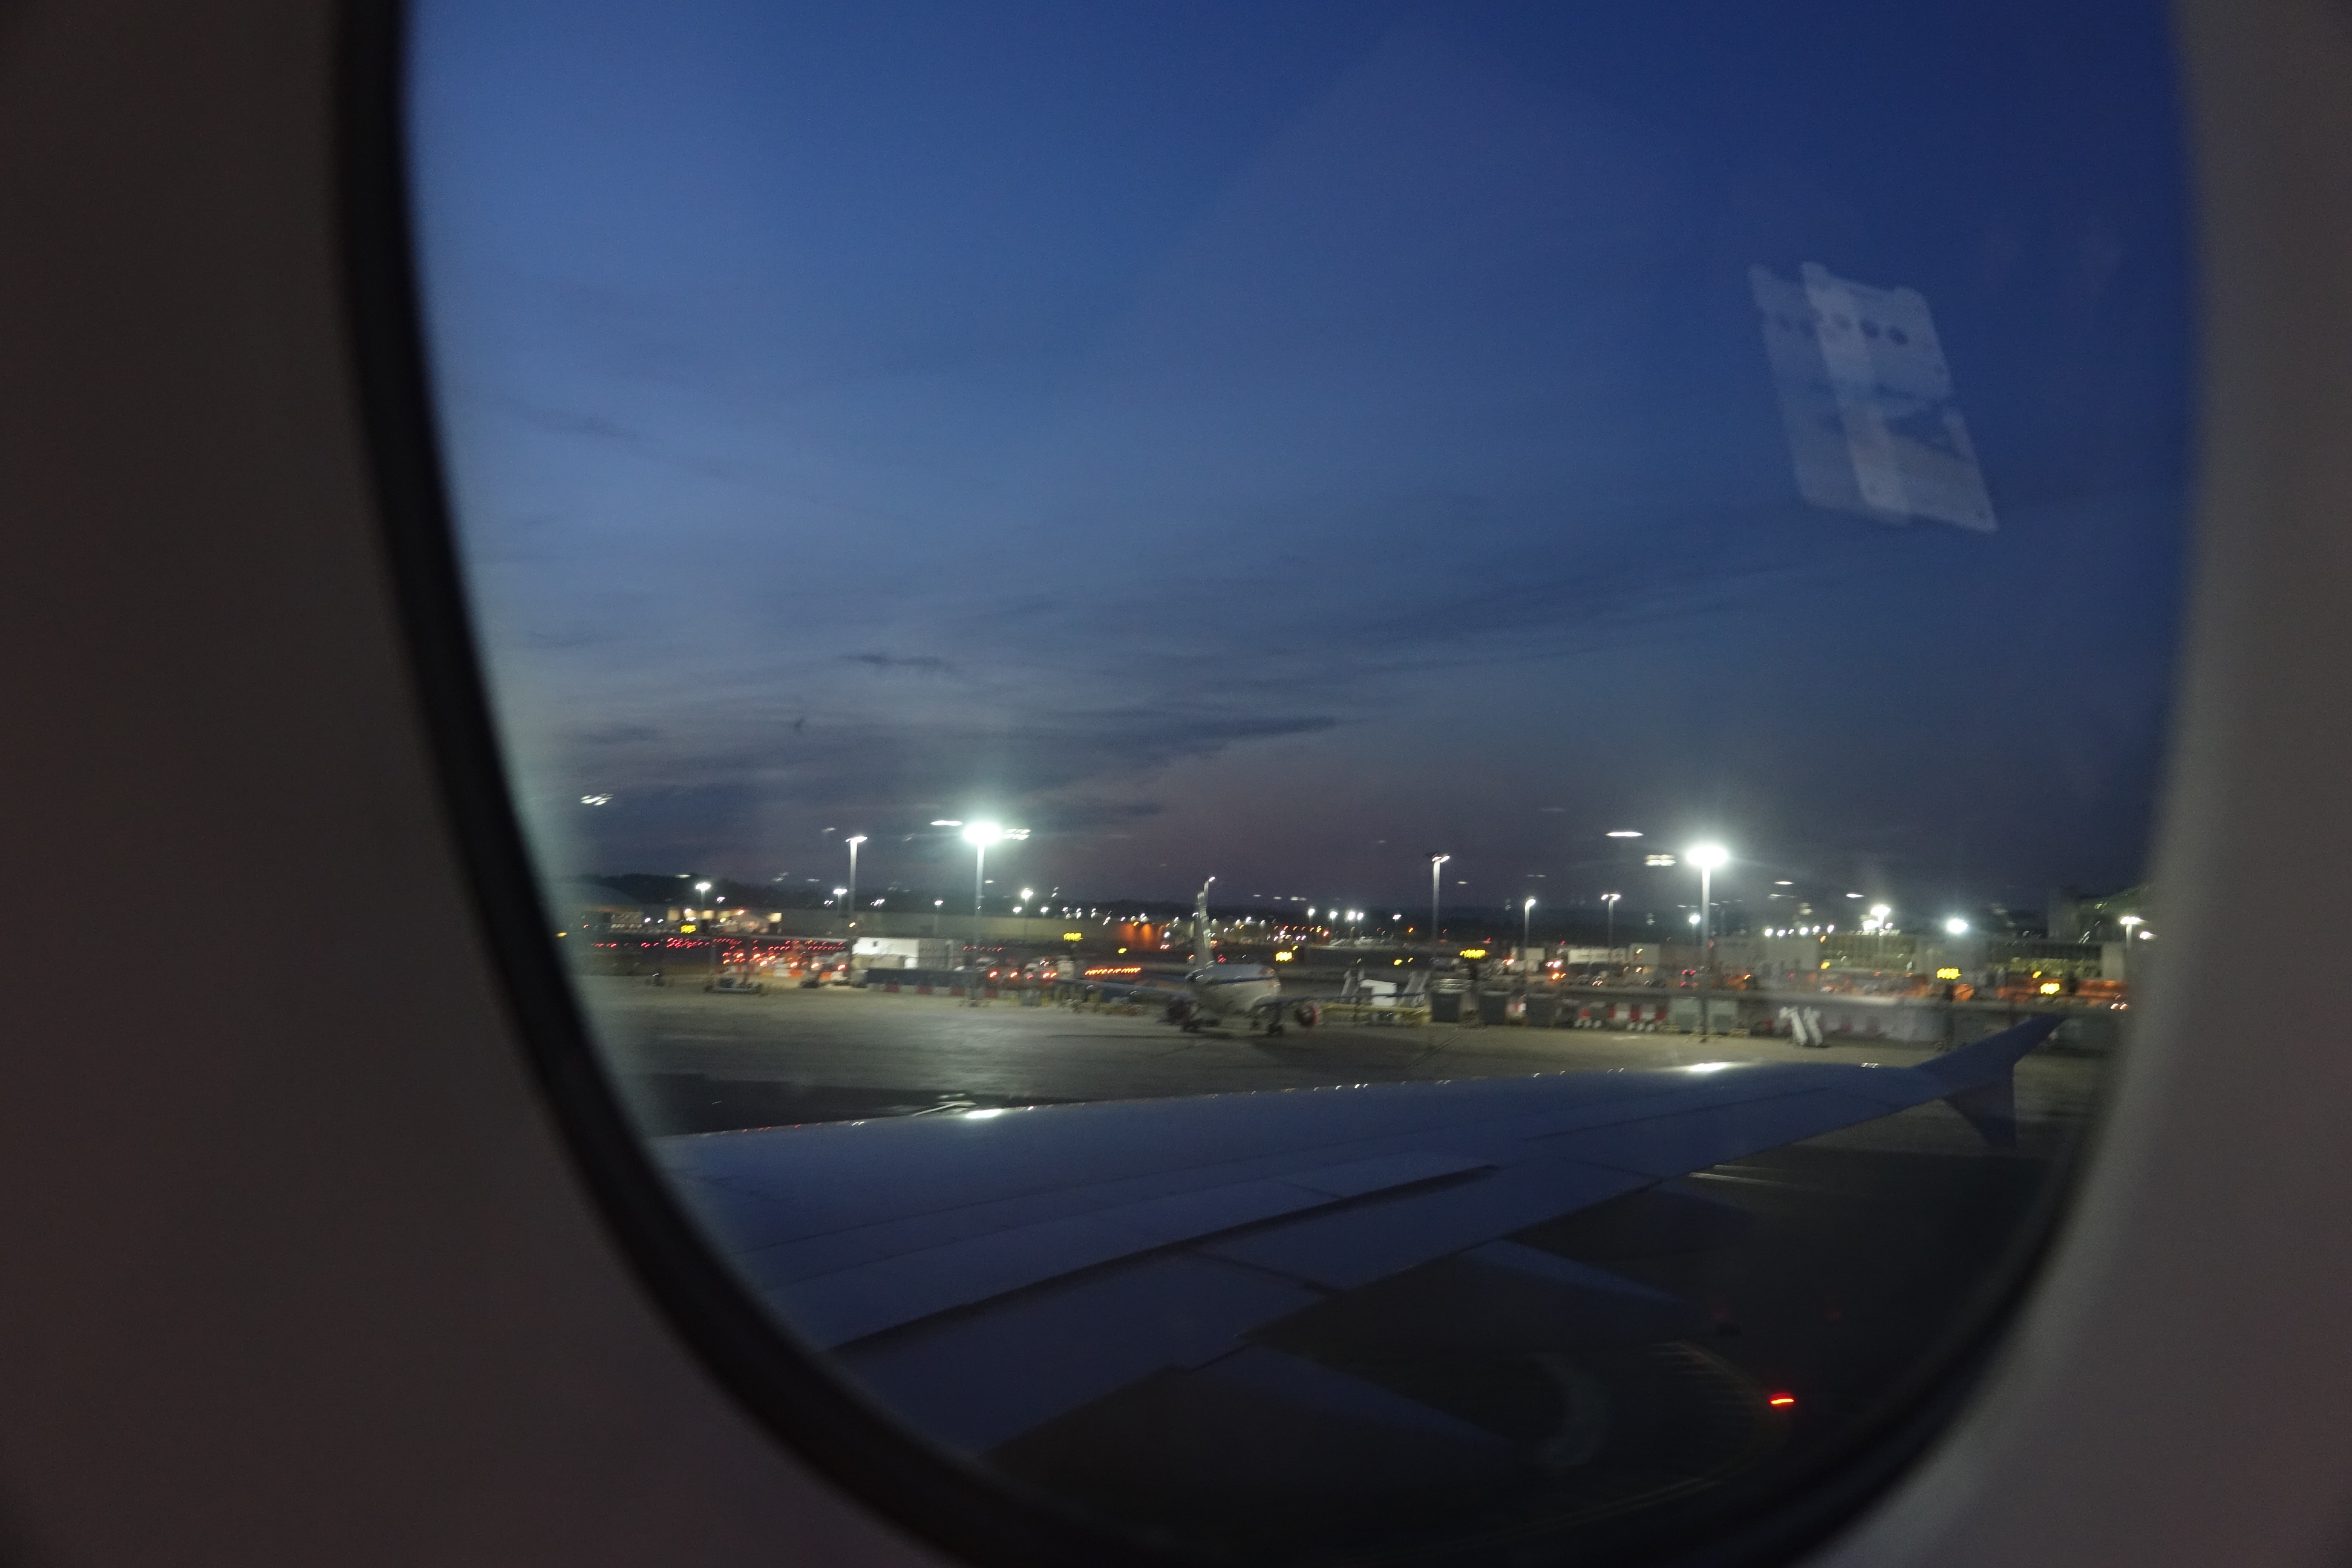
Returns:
<point x="1249" y="995"/>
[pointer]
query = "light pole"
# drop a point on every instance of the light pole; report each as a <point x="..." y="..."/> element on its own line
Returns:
<point x="1609" y="902"/>
<point x="703" y="889"/>
<point x="1527" y="913"/>
<point x="1706" y="857"/>
<point x="1435" y="862"/>
<point x="979" y="836"/>
<point x="853" y="841"/>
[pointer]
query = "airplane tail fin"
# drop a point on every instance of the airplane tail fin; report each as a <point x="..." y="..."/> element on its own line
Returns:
<point x="1980" y="1078"/>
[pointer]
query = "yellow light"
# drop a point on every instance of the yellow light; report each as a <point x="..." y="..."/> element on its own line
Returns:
<point x="1825" y="964"/>
<point x="1947" y="974"/>
<point x="2051" y="988"/>
<point x="1282" y="958"/>
<point x="1074" y="936"/>
<point x="686" y="927"/>
<point x="1473" y="953"/>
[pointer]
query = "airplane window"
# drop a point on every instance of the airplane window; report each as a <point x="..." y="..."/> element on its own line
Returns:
<point x="1331" y="780"/>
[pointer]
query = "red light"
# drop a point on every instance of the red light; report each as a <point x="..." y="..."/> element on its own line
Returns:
<point x="1781" y="1401"/>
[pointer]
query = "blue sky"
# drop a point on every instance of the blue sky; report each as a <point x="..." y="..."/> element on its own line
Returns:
<point x="1283" y="440"/>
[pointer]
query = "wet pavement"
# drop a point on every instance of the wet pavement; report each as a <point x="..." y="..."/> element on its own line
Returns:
<point x="702" y="1062"/>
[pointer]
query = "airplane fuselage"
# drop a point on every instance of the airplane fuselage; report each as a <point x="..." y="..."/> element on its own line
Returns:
<point x="1235" y="990"/>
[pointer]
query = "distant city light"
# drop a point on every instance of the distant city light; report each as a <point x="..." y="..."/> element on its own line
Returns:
<point x="1658" y="860"/>
<point x="1623" y="832"/>
<point x="595" y="800"/>
<point x="947" y="822"/>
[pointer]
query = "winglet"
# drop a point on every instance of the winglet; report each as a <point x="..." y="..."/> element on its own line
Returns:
<point x="1979" y="1081"/>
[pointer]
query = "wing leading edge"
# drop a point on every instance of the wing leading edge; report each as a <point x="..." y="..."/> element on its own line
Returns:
<point x="984" y="1274"/>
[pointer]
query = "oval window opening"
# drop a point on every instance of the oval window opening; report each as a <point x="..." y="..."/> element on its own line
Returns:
<point x="1335" y="782"/>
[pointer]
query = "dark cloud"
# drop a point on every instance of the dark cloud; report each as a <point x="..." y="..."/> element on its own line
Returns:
<point x="916" y="663"/>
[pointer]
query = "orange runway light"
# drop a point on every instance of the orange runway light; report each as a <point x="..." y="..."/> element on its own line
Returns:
<point x="1782" y="1401"/>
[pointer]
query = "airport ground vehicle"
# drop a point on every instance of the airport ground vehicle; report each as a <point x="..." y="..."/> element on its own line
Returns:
<point x="742" y="985"/>
<point x="242" y="1324"/>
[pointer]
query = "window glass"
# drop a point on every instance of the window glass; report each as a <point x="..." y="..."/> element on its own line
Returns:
<point x="1339" y="778"/>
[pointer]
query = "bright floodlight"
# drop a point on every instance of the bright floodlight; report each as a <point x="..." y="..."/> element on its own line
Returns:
<point x="854" y="838"/>
<point x="840" y="892"/>
<point x="1707" y="856"/>
<point x="983" y="833"/>
<point x="1957" y="926"/>
<point x="702" y="887"/>
<point x="1879" y="911"/>
<point x="1623" y="832"/>
<point x="1693" y="920"/>
<point x="947" y="822"/>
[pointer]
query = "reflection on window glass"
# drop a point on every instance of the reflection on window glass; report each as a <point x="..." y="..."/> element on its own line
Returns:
<point x="1354" y="780"/>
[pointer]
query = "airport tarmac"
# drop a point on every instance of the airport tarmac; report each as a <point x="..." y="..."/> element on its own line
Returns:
<point x="698" y="1061"/>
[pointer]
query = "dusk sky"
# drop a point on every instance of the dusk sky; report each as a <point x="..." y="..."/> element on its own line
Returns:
<point x="1284" y="440"/>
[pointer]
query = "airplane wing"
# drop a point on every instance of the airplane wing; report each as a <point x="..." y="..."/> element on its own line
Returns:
<point x="986" y="1273"/>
